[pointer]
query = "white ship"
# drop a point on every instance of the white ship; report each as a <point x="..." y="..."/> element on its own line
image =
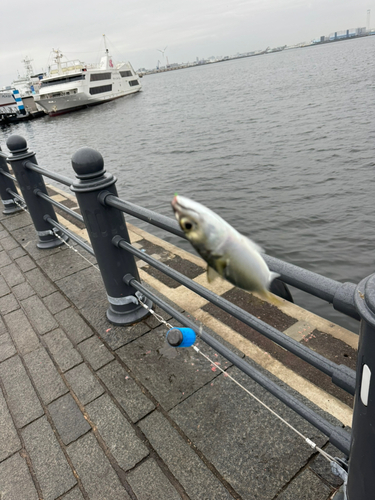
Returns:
<point x="71" y="85"/>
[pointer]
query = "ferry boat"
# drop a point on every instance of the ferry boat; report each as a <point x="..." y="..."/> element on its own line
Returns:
<point x="72" y="85"/>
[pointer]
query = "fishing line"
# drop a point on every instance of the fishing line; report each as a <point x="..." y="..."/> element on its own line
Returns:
<point x="311" y="443"/>
<point x="307" y="440"/>
<point x="74" y="249"/>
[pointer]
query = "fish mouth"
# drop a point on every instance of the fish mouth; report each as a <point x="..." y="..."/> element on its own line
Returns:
<point x="177" y="206"/>
<point x="180" y="210"/>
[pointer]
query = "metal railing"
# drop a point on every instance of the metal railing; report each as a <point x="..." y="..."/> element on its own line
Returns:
<point x="102" y="212"/>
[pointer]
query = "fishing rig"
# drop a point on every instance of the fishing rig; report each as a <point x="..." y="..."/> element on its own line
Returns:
<point x="129" y="301"/>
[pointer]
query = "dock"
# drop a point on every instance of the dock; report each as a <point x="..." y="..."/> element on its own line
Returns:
<point x="89" y="410"/>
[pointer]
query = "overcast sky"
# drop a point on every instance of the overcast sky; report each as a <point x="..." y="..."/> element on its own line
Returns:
<point x="137" y="28"/>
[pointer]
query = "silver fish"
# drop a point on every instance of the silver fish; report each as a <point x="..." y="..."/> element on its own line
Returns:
<point x="228" y="253"/>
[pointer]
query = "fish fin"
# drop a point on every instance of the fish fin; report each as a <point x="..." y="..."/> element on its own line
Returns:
<point x="212" y="274"/>
<point x="274" y="276"/>
<point x="272" y="298"/>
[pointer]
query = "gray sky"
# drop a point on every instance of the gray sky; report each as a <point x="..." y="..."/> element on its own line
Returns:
<point x="137" y="28"/>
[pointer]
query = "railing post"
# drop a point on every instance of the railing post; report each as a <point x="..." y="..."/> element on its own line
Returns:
<point x="10" y="207"/>
<point x="29" y="182"/>
<point x="103" y="223"/>
<point x="361" y="474"/>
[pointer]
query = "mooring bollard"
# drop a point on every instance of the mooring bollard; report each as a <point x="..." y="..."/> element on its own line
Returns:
<point x="29" y="182"/>
<point x="6" y="185"/>
<point x="103" y="223"/>
<point x="361" y="474"/>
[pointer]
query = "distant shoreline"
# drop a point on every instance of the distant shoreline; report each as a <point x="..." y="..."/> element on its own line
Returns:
<point x="250" y="54"/>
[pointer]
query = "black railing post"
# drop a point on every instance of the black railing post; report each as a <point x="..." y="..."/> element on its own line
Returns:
<point x="103" y="223"/>
<point x="361" y="475"/>
<point x="29" y="182"/>
<point x="10" y="207"/>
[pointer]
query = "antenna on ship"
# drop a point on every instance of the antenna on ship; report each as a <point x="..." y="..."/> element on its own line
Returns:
<point x="105" y="44"/>
<point x="28" y="66"/>
<point x="58" y="58"/>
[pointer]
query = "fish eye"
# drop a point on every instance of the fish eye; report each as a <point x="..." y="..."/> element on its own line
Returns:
<point x="187" y="224"/>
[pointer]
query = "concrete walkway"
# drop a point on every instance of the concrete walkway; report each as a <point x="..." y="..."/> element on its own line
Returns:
<point x="89" y="410"/>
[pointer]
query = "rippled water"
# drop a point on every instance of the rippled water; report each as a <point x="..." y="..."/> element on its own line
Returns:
<point x="281" y="146"/>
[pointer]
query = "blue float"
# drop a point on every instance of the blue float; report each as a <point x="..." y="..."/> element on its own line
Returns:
<point x="181" y="337"/>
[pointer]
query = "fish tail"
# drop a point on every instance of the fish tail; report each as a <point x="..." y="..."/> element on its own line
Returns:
<point x="272" y="298"/>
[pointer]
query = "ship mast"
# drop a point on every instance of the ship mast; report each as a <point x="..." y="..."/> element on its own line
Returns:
<point x="58" y="58"/>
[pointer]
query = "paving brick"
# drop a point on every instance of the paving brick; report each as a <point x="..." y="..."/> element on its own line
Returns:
<point x="39" y="315"/>
<point x="74" y="326"/>
<point x="68" y="419"/>
<point x="57" y="267"/>
<point x="8" y="303"/>
<point x="114" y="336"/>
<point x="62" y="350"/>
<point x="269" y="452"/>
<point x="22" y="399"/>
<point x="16" y="253"/>
<point x="25" y="263"/>
<point x="306" y="486"/>
<point x="15" y="480"/>
<point x="118" y="434"/>
<point x="9" y="440"/>
<point x="49" y="463"/>
<point x="75" y="494"/>
<point x="56" y="302"/>
<point x="12" y="275"/>
<point x="22" y="219"/>
<point x="84" y="384"/>
<point x="7" y="348"/>
<point x="84" y="287"/>
<point x="126" y="391"/>
<point x="46" y="378"/>
<point x="171" y="375"/>
<point x="181" y="460"/>
<point x="4" y="288"/>
<point x="97" y="476"/>
<point x="148" y="483"/>
<point x="22" y="332"/>
<point x="8" y="243"/>
<point x="40" y="282"/>
<point x="3" y="328"/>
<point x="95" y="352"/>
<point x="5" y="260"/>
<point x="23" y="291"/>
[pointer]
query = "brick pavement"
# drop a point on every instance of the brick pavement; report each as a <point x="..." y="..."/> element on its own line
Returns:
<point x="90" y="410"/>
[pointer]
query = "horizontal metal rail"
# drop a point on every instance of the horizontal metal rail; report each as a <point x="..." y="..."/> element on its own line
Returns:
<point x="153" y="218"/>
<point x="16" y="196"/>
<point x="71" y="235"/>
<point x="341" y="375"/>
<point x="59" y="205"/>
<point x="337" y="435"/>
<point x="48" y="173"/>
<point x="341" y="295"/>
<point x="7" y="174"/>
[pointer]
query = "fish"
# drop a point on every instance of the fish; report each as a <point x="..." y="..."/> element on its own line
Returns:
<point x="228" y="253"/>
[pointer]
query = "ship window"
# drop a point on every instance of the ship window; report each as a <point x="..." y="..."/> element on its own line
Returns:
<point x="95" y="77"/>
<point x="99" y="90"/>
<point x="58" y="81"/>
<point x="133" y="82"/>
<point x="126" y="73"/>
